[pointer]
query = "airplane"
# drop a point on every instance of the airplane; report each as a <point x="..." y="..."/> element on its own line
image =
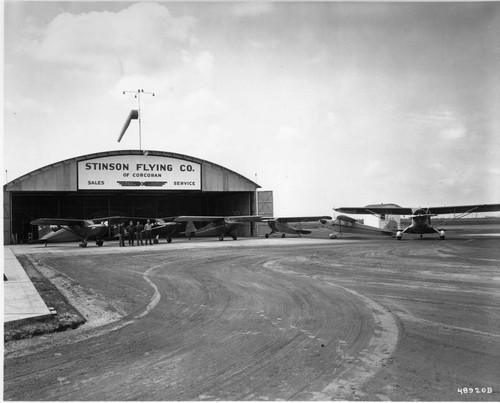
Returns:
<point x="282" y="224"/>
<point x="420" y="217"/>
<point x="52" y="230"/>
<point x="217" y="225"/>
<point x="344" y="224"/>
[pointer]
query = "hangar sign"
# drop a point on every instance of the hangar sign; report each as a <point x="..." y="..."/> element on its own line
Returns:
<point x="138" y="172"/>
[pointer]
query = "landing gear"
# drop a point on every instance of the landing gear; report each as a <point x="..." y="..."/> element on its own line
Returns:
<point x="234" y="237"/>
<point x="399" y="235"/>
<point x="169" y="240"/>
<point x="267" y="235"/>
<point x="99" y="242"/>
<point x="83" y="244"/>
<point x="333" y="236"/>
<point x="283" y="235"/>
<point x="441" y="235"/>
<point x="221" y="237"/>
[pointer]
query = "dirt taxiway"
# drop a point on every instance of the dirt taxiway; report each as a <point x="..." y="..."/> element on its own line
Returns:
<point x="269" y="319"/>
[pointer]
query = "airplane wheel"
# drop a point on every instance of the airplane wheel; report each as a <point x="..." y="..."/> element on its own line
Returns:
<point x="83" y="245"/>
<point x="100" y="242"/>
<point x="235" y="237"/>
<point x="169" y="240"/>
<point x="155" y="241"/>
<point x="333" y="236"/>
<point x="221" y="238"/>
<point x="282" y="235"/>
<point x="267" y="235"/>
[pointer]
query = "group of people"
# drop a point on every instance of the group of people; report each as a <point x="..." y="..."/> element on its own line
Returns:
<point x="134" y="233"/>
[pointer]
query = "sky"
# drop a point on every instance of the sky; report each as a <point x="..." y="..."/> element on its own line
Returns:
<point x="327" y="104"/>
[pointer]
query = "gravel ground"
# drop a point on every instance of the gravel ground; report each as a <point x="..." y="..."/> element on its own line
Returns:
<point x="294" y="319"/>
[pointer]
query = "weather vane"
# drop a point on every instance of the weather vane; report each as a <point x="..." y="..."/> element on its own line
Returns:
<point x="135" y="114"/>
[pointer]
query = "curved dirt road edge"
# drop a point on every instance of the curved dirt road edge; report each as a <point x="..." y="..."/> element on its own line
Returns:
<point x="381" y="347"/>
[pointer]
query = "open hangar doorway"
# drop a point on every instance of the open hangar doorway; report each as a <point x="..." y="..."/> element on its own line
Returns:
<point x="29" y="206"/>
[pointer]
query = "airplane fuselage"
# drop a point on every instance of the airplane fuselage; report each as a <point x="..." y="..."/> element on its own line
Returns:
<point x="220" y="228"/>
<point x="420" y="224"/>
<point x="72" y="233"/>
<point x="285" y="227"/>
<point x="349" y="227"/>
<point x="277" y="226"/>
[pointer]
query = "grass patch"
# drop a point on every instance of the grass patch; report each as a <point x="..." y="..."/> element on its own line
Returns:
<point x="67" y="316"/>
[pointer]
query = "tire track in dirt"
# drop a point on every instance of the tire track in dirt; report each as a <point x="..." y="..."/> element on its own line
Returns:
<point x="365" y="361"/>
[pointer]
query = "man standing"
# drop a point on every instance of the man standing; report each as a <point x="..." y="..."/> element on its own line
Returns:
<point x="121" y="234"/>
<point x="131" y="233"/>
<point x="138" y="231"/>
<point x="149" y="230"/>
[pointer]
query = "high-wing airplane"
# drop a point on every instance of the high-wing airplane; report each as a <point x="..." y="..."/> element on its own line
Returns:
<point x="290" y="225"/>
<point x="420" y="217"/>
<point x="344" y="224"/>
<point x="217" y="225"/>
<point x="52" y="230"/>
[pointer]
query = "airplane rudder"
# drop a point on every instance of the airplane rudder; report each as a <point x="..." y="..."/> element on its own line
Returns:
<point x="44" y="230"/>
<point x="391" y="223"/>
<point x="190" y="227"/>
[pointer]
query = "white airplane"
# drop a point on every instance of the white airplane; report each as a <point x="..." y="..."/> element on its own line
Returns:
<point x="220" y="226"/>
<point x="290" y="225"/>
<point x="420" y="217"/>
<point x="344" y="224"/>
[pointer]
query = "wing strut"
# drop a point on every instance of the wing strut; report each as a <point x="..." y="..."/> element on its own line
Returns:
<point x="459" y="216"/>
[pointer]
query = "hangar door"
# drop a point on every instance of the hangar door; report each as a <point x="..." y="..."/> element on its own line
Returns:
<point x="265" y="208"/>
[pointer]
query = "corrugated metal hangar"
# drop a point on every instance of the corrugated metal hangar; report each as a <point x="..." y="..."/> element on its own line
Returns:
<point x="131" y="183"/>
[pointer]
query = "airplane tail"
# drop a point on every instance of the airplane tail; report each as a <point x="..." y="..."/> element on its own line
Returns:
<point x="390" y="223"/>
<point x="44" y="230"/>
<point x="190" y="229"/>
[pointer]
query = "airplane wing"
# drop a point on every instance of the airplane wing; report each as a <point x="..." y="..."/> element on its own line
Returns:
<point x="475" y="208"/>
<point x="126" y="219"/>
<point x="196" y="218"/>
<point x="61" y="221"/>
<point x="187" y="218"/>
<point x="297" y="219"/>
<point x="376" y="209"/>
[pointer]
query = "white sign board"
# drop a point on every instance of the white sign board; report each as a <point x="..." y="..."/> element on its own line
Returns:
<point x="138" y="172"/>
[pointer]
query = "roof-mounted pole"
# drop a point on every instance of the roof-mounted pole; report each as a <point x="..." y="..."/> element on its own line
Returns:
<point x="138" y="94"/>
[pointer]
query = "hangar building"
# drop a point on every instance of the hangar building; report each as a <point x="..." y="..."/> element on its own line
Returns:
<point x="130" y="183"/>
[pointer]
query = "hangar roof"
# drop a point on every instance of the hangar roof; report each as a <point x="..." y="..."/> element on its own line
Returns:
<point x="63" y="175"/>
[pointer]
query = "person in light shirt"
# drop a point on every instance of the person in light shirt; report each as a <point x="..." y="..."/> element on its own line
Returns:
<point x="149" y="230"/>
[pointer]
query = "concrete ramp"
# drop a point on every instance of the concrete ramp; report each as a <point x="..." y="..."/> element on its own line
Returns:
<point x="21" y="299"/>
